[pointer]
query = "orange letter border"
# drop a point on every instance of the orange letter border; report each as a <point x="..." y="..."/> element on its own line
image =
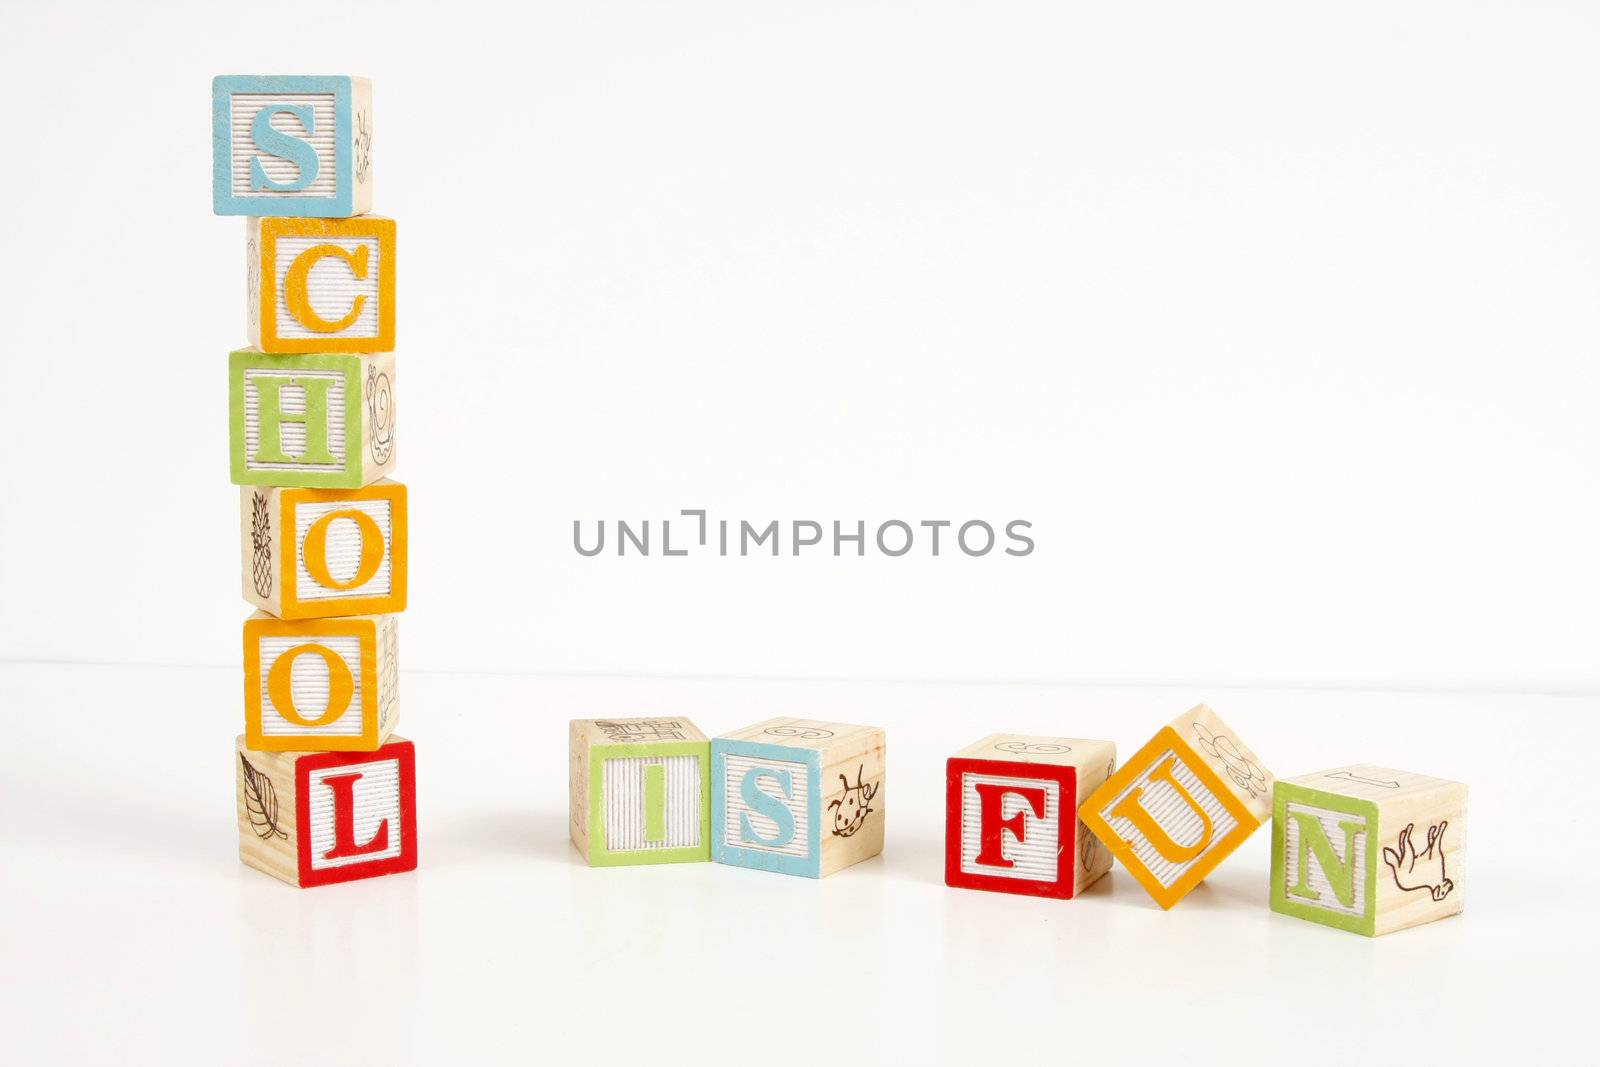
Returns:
<point x="333" y="230"/>
<point x="366" y="630"/>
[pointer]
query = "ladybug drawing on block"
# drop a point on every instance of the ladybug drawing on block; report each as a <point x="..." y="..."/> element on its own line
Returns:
<point x="851" y="810"/>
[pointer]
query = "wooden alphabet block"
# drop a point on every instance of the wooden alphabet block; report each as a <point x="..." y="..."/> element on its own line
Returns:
<point x="313" y="818"/>
<point x="797" y="796"/>
<point x="1181" y="804"/>
<point x="1011" y="822"/>
<point x="323" y="421"/>
<point x="329" y="685"/>
<point x="296" y="146"/>
<point x="320" y="553"/>
<point x="640" y="791"/>
<point x="320" y="285"/>
<point x="1368" y="849"/>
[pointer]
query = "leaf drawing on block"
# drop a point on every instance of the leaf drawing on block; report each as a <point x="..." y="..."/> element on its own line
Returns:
<point x="1415" y="870"/>
<point x="261" y="545"/>
<point x="261" y="802"/>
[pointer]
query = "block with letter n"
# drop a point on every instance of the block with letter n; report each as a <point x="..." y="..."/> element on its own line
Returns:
<point x="320" y="285"/>
<point x="320" y="684"/>
<point x="322" y="421"/>
<point x="314" y="818"/>
<point x="1368" y="849"/>
<point x="295" y="145"/>
<point x="1181" y="804"/>
<point x="797" y="796"/>
<point x="639" y="791"/>
<point x="1011" y="822"/>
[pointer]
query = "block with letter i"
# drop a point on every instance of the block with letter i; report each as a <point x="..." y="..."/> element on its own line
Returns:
<point x="318" y="553"/>
<point x="1184" y="801"/>
<point x="296" y="145"/>
<point x="320" y="285"/>
<point x="313" y="818"/>
<point x="1368" y="849"/>
<point x="322" y="421"/>
<point x="1011" y="822"/>
<point x="639" y="791"/>
<point x="797" y="796"/>
<point x="314" y="685"/>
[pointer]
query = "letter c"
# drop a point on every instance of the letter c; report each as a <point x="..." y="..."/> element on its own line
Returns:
<point x="299" y="300"/>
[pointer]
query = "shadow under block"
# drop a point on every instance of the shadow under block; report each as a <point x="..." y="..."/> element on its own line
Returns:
<point x="1368" y="849"/>
<point x="312" y="818"/>
<point x="1181" y="804"/>
<point x="640" y="791"/>
<point x="320" y="285"/>
<point x="320" y="685"/>
<point x="323" y="421"/>
<point x="296" y="145"/>
<point x="1011" y="823"/>
<point x="797" y="796"/>
<point x="319" y="553"/>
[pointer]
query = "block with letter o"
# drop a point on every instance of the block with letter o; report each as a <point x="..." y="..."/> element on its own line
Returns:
<point x="326" y="685"/>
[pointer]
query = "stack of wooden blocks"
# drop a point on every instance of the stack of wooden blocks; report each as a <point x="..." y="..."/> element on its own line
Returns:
<point x="325" y="791"/>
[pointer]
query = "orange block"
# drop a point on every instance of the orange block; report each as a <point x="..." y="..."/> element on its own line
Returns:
<point x="320" y="285"/>
<point x="1184" y="801"/>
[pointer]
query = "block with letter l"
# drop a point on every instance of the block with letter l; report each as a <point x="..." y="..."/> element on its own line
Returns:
<point x="291" y="145"/>
<point x="639" y="791"/>
<point x="1181" y="804"/>
<point x="1368" y="849"/>
<point x="1011" y="822"/>
<point x="314" y="818"/>
<point x="322" y="421"/>
<point x="798" y="796"/>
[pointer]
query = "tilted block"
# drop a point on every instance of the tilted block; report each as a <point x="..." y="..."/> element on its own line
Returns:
<point x="1011" y="815"/>
<point x="320" y="684"/>
<point x="323" y="421"/>
<point x="295" y="145"/>
<point x="319" y="553"/>
<point x="797" y="796"/>
<point x="320" y="285"/>
<point x="1181" y="804"/>
<point x="640" y="791"/>
<point x="1368" y="849"/>
<point x="311" y="818"/>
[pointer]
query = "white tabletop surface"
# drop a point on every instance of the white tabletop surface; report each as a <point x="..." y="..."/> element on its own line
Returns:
<point x="129" y="931"/>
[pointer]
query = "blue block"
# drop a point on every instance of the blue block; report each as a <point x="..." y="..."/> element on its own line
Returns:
<point x="291" y="145"/>
<point x="776" y="802"/>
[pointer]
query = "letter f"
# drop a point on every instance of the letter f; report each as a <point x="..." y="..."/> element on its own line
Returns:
<point x="991" y="846"/>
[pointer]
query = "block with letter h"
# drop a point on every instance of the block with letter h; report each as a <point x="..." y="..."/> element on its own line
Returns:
<point x="320" y="285"/>
<point x="1185" y="800"/>
<point x="639" y="791"/>
<point x="320" y="685"/>
<point x="1011" y="822"/>
<point x="1368" y="849"/>
<point x="314" y="818"/>
<point x="291" y="146"/>
<point x="797" y="796"/>
<point x="323" y="421"/>
<point x="319" y="553"/>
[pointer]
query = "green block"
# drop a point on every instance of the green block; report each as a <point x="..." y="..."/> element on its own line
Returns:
<point x="658" y="792"/>
<point x="309" y="421"/>
<point x="1324" y="858"/>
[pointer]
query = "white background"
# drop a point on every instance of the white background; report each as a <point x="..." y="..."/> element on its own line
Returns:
<point x="1279" y="323"/>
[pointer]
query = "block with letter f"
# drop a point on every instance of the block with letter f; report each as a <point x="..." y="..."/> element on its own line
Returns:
<point x="1011" y="821"/>
<point x="1185" y="800"/>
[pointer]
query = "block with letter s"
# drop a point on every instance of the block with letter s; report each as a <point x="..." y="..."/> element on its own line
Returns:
<point x="291" y="145"/>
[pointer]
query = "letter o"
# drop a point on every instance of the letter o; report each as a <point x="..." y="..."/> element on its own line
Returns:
<point x="315" y="550"/>
<point x="903" y="548"/>
<point x="961" y="537"/>
<point x="341" y="686"/>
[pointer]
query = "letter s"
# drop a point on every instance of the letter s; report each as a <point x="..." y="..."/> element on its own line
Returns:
<point x="768" y="805"/>
<point x="274" y="142"/>
<point x="1011" y="532"/>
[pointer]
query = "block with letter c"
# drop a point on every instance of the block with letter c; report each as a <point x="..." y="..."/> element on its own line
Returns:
<point x="320" y="285"/>
<point x="320" y="685"/>
<point x="320" y="553"/>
